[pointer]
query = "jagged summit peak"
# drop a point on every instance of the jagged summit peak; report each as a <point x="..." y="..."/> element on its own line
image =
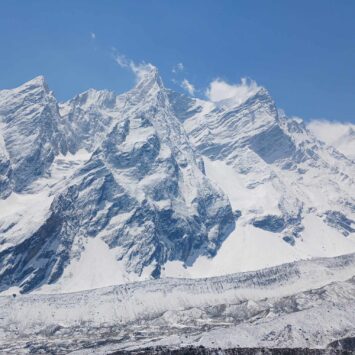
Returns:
<point x="37" y="82"/>
<point x="35" y="86"/>
<point x="263" y="98"/>
<point x="36" y="89"/>
<point x="94" y="97"/>
<point x="263" y="92"/>
<point x="146" y="71"/>
<point x="230" y="96"/>
<point x="260" y="95"/>
<point x="149" y="86"/>
<point x="148" y="75"/>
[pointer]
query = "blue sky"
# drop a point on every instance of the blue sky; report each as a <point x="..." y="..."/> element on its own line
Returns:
<point x="303" y="52"/>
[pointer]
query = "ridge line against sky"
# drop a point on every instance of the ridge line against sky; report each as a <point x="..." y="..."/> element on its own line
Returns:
<point x="217" y="90"/>
<point x="303" y="52"/>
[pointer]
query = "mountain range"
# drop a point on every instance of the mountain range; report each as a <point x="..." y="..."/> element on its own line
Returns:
<point x="105" y="189"/>
<point x="152" y="218"/>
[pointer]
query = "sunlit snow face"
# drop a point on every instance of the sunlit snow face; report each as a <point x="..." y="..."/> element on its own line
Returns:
<point x="236" y="94"/>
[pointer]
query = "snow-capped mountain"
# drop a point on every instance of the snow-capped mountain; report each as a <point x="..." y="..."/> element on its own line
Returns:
<point x="142" y="194"/>
<point x="89" y="116"/>
<point x="289" y="187"/>
<point x="118" y="190"/>
<point x="31" y="131"/>
<point x="105" y="188"/>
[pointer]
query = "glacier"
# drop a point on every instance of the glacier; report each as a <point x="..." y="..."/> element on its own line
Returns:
<point x="305" y="304"/>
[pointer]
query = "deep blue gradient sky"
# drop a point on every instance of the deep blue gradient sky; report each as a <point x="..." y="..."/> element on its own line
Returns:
<point x="302" y="51"/>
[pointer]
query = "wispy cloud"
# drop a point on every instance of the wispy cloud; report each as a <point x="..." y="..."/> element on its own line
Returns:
<point x="341" y="135"/>
<point x="329" y="131"/>
<point x="179" y="67"/>
<point x="185" y="84"/>
<point x="139" y="70"/>
<point x="219" y="90"/>
<point x="123" y="61"/>
<point x="93" y="35"/>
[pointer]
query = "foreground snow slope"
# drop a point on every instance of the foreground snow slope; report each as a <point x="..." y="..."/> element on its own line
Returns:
<point x="306" y="303"/>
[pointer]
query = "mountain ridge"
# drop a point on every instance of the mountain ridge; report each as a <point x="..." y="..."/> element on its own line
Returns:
<point x="142" y="192"/>
<point x="163" y="185"/>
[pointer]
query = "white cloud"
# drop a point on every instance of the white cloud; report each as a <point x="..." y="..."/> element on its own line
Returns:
<point x="179" y="67"/>
<point x="329" y="131"/>
<point x="139" y="70"/>
<point x="93" y="35"/>
<point x="340" y="135"/>
<point x="185" y="84"/>
<point x="122" y="61"/>
<point x="220" y="90"/>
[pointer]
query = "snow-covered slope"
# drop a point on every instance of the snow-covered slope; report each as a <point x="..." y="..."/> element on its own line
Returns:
<point x="89" y="116"/>
<point x="302" y="304"/>
<point x="142" y="193"/>
<point x="295" y="194"/>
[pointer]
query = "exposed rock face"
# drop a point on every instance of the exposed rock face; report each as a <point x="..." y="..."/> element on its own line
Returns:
<point x="344" y="344"/>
